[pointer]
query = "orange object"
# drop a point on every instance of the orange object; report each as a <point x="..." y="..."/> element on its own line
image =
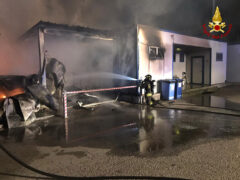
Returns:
<point x="10" y="93"/>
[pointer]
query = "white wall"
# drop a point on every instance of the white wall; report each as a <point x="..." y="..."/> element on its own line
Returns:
<point x="164" y="69"/>
<point x="159" y="69"/>
<point x="219" y="68"/>
<point x="233" y="64"/>
<point x="179" y="67"/>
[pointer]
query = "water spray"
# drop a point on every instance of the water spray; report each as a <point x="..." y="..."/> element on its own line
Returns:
<point x="104" y="75"/>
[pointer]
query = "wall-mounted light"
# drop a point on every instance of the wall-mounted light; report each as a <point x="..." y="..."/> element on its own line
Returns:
<point x="178" y="49"/>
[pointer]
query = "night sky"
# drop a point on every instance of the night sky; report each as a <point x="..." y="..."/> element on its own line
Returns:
<point x="182" y="16"/>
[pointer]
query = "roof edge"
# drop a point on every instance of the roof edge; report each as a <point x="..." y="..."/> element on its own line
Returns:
<point x="44" y="24"/>
<point x="169" y="31"/>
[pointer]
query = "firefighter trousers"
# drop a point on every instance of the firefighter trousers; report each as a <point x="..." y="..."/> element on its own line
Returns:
<point x="149" y="99"/>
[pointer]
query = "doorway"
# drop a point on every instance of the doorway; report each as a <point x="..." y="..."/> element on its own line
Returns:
<point x="197" y="70"/>
<point x="193" y="63"/>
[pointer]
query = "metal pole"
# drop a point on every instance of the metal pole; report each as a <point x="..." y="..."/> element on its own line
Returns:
<point x="65" y="105"/>
<point x="41" y="55"/>
<point x="65" y="114"/>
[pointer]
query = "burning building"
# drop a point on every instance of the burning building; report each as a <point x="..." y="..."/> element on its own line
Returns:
<point x="92" y="57"/>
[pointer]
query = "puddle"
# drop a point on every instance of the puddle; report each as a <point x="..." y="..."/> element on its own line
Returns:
<point x="210" y="100"/>
<point x="128" y="130"/>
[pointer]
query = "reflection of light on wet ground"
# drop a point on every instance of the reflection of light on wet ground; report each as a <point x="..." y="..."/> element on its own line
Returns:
<point x="210" y="100"/>
<point x="128" y="129"/>
<point x="66" y="130"/>
<point x="156" y="135"/>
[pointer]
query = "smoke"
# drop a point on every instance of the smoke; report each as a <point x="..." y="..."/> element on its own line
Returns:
<point x="11" y="58"/>
<point x="183" y="16"/>
<point x="16" y="16"/>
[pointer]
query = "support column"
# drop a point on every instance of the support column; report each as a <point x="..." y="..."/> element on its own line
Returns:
<point x="41" y="48"/>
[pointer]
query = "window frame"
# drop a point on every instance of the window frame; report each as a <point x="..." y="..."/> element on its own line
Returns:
<point x="181" y="57"/>
<point x="157" y="55"/>
<point x="217" y="56"/>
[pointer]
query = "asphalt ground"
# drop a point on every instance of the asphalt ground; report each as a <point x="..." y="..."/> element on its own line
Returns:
<point x="123" y="139"/>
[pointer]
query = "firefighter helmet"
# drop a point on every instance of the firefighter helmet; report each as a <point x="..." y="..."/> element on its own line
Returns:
<point x="149" y="77"/>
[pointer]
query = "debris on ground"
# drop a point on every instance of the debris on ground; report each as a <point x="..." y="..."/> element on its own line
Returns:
<point x="23" y="99"/>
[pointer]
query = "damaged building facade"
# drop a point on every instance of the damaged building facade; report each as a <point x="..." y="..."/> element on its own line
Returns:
<point x="92" y="59"/>
<point x="92" y="56"/>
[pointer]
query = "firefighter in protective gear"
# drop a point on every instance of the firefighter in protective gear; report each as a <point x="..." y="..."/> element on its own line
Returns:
<point x="148" y="85"/>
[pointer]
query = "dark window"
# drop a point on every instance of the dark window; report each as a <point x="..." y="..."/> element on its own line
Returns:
<point x="152" y="53"/>
<point x="160" y="53"/>
<point x="156" y="52"/>
<point x="219" y="57"/>
<point x="181" y="57"/>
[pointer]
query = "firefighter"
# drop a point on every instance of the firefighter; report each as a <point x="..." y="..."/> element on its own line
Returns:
<point x="148" y="85"/>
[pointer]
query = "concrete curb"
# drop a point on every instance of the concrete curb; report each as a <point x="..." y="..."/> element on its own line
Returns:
<point x="200" y="109"/>
<point x="201" y="90"/>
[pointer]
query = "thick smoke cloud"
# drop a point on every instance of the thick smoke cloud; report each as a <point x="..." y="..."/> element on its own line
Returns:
<point x="184" y="16"/>
<point x="19" y="15"/>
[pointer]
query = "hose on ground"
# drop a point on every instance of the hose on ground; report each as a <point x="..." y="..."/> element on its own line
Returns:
<point x="23" y="176"/>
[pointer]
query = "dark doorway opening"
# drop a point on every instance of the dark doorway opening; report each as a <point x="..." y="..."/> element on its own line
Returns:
<point x="197" y="70"/>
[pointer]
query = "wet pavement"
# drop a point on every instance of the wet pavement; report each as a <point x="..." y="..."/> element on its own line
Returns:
<point x="194" y="86"/>
<point x="209" y="100"/>
<point x="127" y="129"/>
<point x="225" y="98"/>
<point x="125" y="139"/>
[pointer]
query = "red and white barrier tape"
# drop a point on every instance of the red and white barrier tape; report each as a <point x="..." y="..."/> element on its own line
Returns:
<point x="87" y="91"/>
<point x="97" y="90"/>
<point x="65" y="105"/>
